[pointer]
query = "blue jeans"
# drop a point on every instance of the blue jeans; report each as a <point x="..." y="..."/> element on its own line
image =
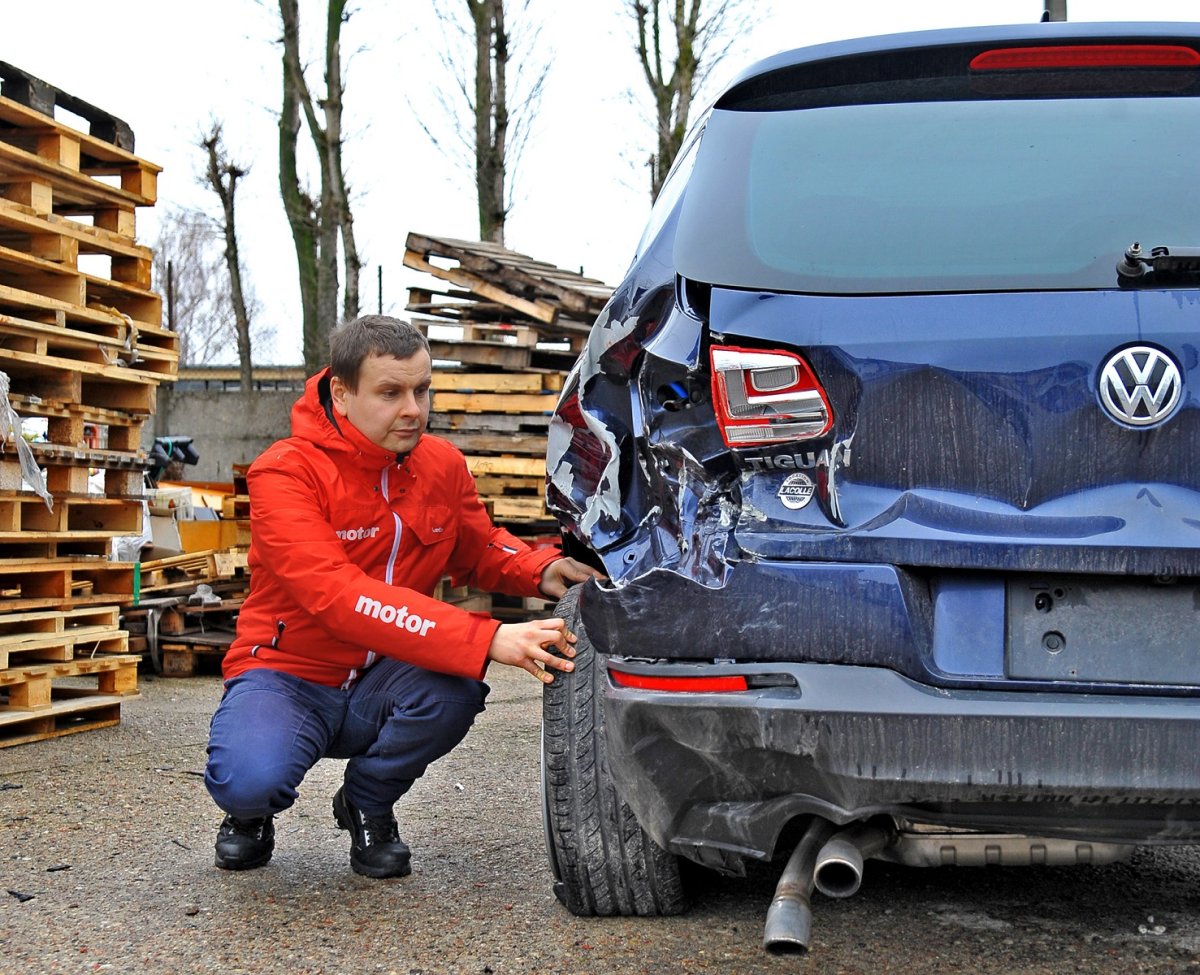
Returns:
<point x="271" y="728"/>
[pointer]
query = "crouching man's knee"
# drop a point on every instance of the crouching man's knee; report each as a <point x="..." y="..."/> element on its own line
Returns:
<point x="247" y="790"/>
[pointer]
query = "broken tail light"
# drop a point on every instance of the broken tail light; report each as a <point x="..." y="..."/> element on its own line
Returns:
<point x="766" y="397"/>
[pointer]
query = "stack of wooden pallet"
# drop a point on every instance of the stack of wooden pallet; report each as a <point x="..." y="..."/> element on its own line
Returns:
<point x="82" y="352"/>
<point x="504" y="329"/>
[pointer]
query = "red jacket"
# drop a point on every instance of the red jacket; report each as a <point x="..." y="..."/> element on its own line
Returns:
<point x="347" y="545"/>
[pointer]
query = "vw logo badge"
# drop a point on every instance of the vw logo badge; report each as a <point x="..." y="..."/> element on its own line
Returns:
<point x="1140" y="386"/>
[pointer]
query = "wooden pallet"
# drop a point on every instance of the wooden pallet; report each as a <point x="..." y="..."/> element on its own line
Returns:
<point x="69" y="470"/>
<point x="519" y="283"/>
<point x="48" y="700"/>
<point x="57" y="635"/>
<point x="192" y="654"/>
<point x="34" y="687"/>
<point x="64" y="717"/>
<point x="76" y="526"/>
<point x="60" y="584"/>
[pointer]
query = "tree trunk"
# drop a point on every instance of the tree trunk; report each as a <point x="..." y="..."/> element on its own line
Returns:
<point x="491" y="115"/>
<point x="297" y="205"/>
<point x="673" y="87"/>
<point x="223" y="176"/>
<point x="333" y="174"/>
<point x="318" y="225"/>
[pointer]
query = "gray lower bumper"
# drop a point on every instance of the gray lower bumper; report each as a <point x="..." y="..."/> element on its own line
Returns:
<point x="717" y="776"/>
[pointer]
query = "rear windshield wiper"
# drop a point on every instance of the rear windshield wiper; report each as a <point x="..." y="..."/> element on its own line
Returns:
<point x="1140" y="266"/>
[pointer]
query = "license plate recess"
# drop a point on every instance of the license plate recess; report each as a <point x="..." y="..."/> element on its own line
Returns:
<point x="1127" y="631"/>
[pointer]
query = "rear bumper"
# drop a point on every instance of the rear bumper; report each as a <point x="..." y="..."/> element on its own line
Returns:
<point x="717" y="776"/>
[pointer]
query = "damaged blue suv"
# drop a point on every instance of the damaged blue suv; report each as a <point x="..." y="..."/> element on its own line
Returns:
<point x="889" y="446"/>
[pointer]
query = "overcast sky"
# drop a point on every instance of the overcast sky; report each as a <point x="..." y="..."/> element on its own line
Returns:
<point x="168" y="68"/>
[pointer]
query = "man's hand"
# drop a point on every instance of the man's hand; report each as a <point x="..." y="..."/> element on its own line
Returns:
<point x="560" y="576"/>
<point x="526" y="645"/>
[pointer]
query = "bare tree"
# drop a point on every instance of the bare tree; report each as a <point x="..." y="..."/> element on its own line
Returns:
<point x="321" y="224"/>
<point x="189" y="270"/>
<point x="223" y="175"/>
<point x="495" y="135"/>
<point x="678" y="43"/>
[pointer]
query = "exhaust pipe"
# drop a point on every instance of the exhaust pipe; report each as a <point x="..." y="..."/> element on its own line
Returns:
<point x="838" y="869"/>
<point x="789" y="918"/>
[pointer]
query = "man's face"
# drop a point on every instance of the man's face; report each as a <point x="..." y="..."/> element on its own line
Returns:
<point x="391" y="405"/>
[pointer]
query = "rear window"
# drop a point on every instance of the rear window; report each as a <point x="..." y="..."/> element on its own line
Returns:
<point x="940" y="196"/>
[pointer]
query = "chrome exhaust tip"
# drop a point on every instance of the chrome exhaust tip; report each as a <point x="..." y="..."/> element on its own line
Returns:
<point x="838" y="869"/>
<point x="789" y="918"/>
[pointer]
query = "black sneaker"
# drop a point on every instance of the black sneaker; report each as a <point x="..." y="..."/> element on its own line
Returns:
<point x="376" y="849"/>
<point x="243" y="844"/>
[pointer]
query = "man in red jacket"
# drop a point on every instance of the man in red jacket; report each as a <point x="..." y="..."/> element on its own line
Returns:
<point x="341" y="649"/>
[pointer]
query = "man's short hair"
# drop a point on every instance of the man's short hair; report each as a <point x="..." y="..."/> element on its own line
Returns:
<point x="367" y="335"/>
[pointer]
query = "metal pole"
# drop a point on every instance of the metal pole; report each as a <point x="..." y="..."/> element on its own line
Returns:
<point x="1056" y="10"/>
<point x="379" y="276"/>
<point x="171" y="295"/>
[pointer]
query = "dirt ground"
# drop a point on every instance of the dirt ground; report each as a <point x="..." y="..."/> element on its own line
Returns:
<point x="107" y="866"/>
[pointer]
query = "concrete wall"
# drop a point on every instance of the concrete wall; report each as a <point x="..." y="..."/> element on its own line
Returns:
<point x="226" y="426"/>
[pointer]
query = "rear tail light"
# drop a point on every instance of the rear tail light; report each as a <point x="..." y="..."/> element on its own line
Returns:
<point x="1086" y="56"/>
<point x="766" y="397"/>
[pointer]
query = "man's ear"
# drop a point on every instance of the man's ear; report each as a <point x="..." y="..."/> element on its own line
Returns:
<point x="337" y="392"/>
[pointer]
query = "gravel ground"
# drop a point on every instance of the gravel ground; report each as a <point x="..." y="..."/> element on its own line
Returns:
<point x="107" y="840"/>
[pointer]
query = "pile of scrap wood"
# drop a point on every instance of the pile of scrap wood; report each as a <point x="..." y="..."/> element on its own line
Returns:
<point x="504" y="329"/>
<point x="82" y="353"/>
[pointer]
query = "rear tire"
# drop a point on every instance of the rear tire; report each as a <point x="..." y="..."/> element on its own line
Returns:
<point x="603" y="861"/>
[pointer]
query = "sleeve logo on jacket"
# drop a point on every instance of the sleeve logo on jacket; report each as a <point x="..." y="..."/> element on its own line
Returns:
<point x="356" y="534"/>
<point x="399" y="615"/>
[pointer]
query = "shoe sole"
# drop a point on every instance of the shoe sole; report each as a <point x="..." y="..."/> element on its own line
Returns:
<point x="232" y="864"/>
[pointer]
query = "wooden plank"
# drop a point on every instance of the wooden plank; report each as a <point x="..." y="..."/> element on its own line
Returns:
<point x="523" y="466"/>
<point x="451" y="402"/>
<point x="489" y="422"/>
<point x="492" y="355"/>
<point x="533" y="444"/>
<point x="451" y="380"/>
<point x="517" y="508"/>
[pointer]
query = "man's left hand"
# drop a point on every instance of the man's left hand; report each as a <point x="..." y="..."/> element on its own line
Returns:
<point x="561" y="575"/>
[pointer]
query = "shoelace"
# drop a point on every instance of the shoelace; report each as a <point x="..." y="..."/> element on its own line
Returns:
<point x="381" y="829"/>
<point x="245" y="827"/>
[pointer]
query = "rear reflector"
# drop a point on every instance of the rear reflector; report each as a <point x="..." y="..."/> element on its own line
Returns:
<point x="766" y="397"/>
<point x="1086" y="56"/>
<point x="645" y="682"/>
